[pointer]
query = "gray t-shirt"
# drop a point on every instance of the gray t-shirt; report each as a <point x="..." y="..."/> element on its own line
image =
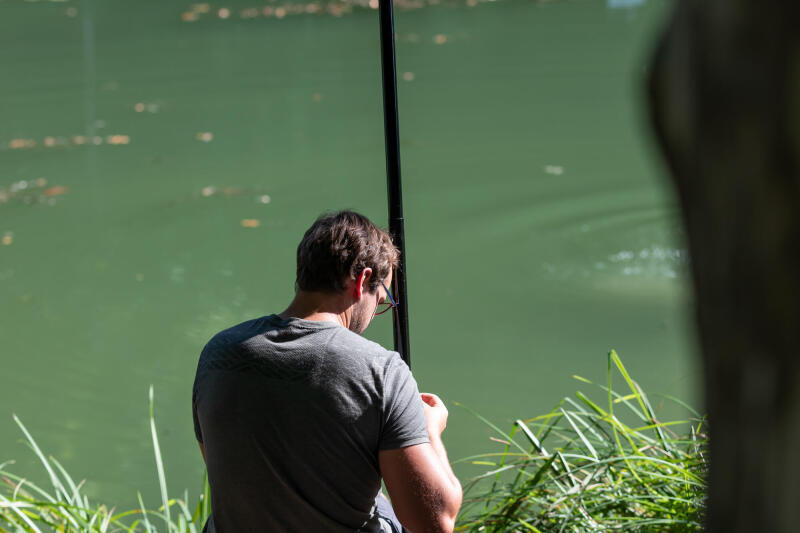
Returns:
<point x="292" y="414"/>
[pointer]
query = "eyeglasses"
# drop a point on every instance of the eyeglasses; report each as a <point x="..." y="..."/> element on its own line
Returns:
<point x="385" y="306"/>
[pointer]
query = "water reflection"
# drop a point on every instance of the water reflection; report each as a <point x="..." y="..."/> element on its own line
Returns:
<point x="624" y="4"/>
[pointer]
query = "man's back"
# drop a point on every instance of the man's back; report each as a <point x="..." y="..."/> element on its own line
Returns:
<point x="292" y="414"/>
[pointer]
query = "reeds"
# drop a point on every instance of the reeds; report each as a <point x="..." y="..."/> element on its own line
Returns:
<point x="583" y="467"/>
<point x="27" y="507"/>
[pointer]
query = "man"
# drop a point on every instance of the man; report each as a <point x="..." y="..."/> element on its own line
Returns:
<point x="299" y="417"/>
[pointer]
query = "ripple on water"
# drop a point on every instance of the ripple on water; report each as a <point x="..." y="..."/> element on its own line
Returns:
<point x="615" y="242"/>
<point x="651" y="262"/>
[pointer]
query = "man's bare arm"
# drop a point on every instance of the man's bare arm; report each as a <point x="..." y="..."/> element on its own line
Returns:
<point x="426" y="495"/>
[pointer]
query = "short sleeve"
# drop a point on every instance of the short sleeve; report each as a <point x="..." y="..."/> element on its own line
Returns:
<point x="403" y="412"/>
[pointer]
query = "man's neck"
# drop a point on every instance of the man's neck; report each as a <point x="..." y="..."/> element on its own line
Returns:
<point x="318" y="307"/>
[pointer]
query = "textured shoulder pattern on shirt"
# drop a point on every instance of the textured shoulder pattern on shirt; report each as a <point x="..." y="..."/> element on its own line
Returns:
<point x="246" y="348"/>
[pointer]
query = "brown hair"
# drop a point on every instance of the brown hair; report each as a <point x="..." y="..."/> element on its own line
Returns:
<point x="337" y="247"/>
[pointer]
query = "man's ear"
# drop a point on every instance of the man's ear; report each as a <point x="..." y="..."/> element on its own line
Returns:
<point x="361" y="283"/>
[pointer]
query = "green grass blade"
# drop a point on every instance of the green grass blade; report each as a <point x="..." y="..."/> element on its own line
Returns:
<point x="581" y="435"/>
<point x="16" y="507"/>
<point x="147" y="525"/>
<point x="622" y="370"/>
<point x="162" y="479"/>
<point x="57" y="485"/>
<point x="76" y="495"/>
<point x="491" y="425"/>
<point x="531" y="437"/>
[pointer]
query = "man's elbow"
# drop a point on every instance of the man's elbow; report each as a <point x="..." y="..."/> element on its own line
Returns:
<point x="442" y="524"/>
<point x="446" y="521"/>
<point x="449" y="520"/>
<point x="441" y="521"/>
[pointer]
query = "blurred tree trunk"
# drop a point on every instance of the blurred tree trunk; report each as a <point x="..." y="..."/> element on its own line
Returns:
<point x="724" y="95"/>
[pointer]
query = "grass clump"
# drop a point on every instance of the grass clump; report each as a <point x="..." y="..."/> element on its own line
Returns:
<point x="29" y="508"/>
<point x="583" y="467"/>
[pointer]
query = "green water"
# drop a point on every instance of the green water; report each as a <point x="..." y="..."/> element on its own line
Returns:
<point x="540" y="231"/>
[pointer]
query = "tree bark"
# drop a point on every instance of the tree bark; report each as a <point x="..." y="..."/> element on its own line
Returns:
<point x="724" y="96"/>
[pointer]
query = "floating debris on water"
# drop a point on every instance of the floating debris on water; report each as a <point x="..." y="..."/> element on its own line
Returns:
<point x="440" y="38"/>
<point x="151" y="107"/>
<point x="337" y="8"/>
<point x="210" y="190"/>
<point x="55" y="191"/>
<point x="17" y="144"/>
<point x="406" y="37"/>
<point x="8" y="238"/>
<point x="554" y="169"/>
<point x="30" y="192"/>
<point x="408" y="76"/>
<point x="118" y="139"/>
<point x="214" y="192"/>
<point x="204" y="136"/>
<point x="74" y="140"/>
<point x="250" y="223"/>
<point x="72" y="12"/>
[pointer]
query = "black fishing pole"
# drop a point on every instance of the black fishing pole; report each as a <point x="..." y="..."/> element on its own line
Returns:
<point x="393" y="185"/>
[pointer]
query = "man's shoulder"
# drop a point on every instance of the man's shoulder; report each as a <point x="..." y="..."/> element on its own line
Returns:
<point x="349" y="342"/>
<point x="235" y="335"/>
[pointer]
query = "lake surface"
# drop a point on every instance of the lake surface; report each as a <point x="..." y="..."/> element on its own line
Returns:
<point x="160" y="161"/>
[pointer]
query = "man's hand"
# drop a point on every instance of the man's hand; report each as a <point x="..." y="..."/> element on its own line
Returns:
<point x="425" y="493"/>
<point x="435" y="413"/>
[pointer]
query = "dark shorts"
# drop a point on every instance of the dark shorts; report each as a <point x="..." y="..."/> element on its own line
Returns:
<point x="386" y="516"/>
